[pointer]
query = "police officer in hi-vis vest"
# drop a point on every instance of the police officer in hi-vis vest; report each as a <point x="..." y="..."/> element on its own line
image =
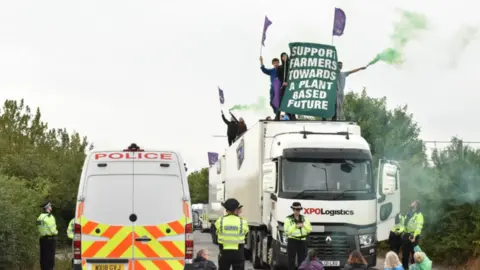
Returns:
<point x="395" y="237"/>
<point x="296" y="227"/>
<point x="231" y="232"/>
<point x="47" y="228"/>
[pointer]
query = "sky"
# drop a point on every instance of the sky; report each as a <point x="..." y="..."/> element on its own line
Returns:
<point x="148" y="71"/>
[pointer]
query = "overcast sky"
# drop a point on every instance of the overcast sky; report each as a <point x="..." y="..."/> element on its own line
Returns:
<point x="147" y="71"/>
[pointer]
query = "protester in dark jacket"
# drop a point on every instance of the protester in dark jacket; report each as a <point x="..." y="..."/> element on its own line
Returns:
<point x="282" y="74"/>
<point x="356" y="262"/>
<point x="202" y="261"/>
<point x="232" y="128"/>
<point x="311" y="262"/>
<point x="272" y="72"/>
<point x="242" y="127"/>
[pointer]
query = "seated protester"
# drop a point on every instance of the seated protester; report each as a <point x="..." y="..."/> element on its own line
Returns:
<point x="202" y="262"/>
<point x="311" y="262"/>
<point x="285" y="117"/>
<point x="422" y="262"/>
<point x="392" y="262"/>
<point x="356" y="262"/>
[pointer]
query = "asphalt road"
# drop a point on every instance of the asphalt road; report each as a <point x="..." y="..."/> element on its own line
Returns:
<point x="204" y="241"/>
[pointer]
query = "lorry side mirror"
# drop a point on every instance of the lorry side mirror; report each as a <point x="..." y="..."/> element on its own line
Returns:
<point x="220" y="192"/>
<point x="269" y="177"/>
<point x="388" y="178"/>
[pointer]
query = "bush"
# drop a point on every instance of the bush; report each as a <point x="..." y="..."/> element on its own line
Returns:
<point x="19" y="210"/>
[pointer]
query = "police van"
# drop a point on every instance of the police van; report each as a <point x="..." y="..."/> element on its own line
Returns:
<point x="133" y="212"/>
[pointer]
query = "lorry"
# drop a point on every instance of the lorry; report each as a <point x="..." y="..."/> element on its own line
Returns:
<point x="215" y="196"/>
<point x="327" y="167"/>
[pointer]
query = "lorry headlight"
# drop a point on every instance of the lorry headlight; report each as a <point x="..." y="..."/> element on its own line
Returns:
<point x="366" y="240"/>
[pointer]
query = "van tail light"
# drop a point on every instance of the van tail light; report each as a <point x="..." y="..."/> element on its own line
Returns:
<point x="77" y="242"/>
<point x="188" y="241"/>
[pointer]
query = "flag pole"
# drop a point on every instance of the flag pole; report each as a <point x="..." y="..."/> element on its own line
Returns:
<point x="333" y="22"/>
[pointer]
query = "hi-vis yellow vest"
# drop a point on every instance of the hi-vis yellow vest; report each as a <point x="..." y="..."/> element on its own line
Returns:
<point x="415" y="224"/>
<point x="291" y="230"/>
<point x="70" y="229"/>
<point x="231" y="231"/>
<point x="46" y="225"/>
<point x="400" y="226"/>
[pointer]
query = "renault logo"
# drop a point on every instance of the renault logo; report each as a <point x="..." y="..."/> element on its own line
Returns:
<point x="328" y="239"/>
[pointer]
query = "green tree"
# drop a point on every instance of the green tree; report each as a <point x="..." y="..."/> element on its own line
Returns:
<point x="198" y="182"/>
<point x="451" y="194"/>
<point x="41" y="161"/>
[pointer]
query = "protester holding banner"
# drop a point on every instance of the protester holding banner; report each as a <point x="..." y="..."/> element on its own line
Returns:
<point x="232" y="128"/>
<point x="282" y="74"/>
<point x="342" y="76"/>
<point x="272" y="72"/>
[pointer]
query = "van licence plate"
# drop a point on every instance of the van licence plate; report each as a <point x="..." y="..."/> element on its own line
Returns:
<point x="107" y="267"/>
<point x="331" y="263"/>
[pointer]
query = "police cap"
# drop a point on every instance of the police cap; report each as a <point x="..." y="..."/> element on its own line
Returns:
<point x="231" y="205"/>
<point x="46" y="204"/>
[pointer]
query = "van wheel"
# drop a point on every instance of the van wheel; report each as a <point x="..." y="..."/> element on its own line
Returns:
<point x="255" y="251"/>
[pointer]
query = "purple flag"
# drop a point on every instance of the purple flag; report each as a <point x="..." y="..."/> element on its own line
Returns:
<point x="212" y="158"/>
<point x="220" y="95"/>
<point x="339" y="22"/>
<point x="265" y="27"/>
<point x="276" y="93"/>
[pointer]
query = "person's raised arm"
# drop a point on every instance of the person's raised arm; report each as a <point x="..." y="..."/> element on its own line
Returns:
<point x="225" y="119"/>
<point x="233" y="116"/>
<point x="267" y="71"/>
<point x="355" y="70"/>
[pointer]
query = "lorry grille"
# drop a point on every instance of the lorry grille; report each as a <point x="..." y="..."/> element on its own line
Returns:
<point x="337" y="244"/>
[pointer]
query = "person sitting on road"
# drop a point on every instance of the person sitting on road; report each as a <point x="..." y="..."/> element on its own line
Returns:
<point x="311" y="262"/>
<point x="392" y="262"/>
<point x="202" y="261"/>
<point x="356" y="262"/>
<point x="422" y="262"/>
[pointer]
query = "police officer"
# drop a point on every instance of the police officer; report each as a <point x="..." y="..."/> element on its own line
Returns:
<point x="296" y="227"/>
<point x="395" y="237"/>
<point x="231" y="231"/>
<point x="47" y="228"/>
<point x="413" y="228"/>
<point x="71" y="228"/>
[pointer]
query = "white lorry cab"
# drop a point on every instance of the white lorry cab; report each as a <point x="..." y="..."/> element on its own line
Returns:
<point x="133" y="211"/>
<point x="327" y="166"/>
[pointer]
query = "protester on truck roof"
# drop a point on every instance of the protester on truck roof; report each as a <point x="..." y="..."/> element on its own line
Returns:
<point x="341" y="78"/>
<point x="272" y="72"/>
<point x="232" y="127"/>
<point x="282" y="74"/>
<point x="356" y="262"/>
<point x="242" y="127"/>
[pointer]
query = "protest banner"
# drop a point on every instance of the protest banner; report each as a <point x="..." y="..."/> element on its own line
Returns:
<point x="312" y="80"/>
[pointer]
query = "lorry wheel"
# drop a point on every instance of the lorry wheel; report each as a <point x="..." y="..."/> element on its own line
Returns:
<point x="214" y="235"/>
<point x="255" y="251"/>
<point x="261" y="236"/>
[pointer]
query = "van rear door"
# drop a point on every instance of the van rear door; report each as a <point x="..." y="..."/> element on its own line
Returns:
<point x="107" y="231"/>
<point x="161" y="211"/>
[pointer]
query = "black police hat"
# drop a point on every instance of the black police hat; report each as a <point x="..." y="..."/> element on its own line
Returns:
<point x="296" y="206"/>
<point x="45" y="204"/>
<point x="231" y="205"/>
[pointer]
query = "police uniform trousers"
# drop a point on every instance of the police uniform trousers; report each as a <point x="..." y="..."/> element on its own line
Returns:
<point x="395" y="242"/>
<point x="48" y="246"/>
<point x="234" y="258"/>
<point x="298" y="248"/>
<point x="407" y="249"/>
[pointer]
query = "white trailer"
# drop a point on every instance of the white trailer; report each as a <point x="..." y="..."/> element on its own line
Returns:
<point x="327" y="167"/>
<point x="215" y="195"/>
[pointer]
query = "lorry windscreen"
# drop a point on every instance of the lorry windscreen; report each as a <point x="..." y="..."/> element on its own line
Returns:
<point x="327" y="177"/>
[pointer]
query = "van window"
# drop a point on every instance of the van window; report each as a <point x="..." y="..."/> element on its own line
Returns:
<point x="108" y="199"/>
<point x="158" y="199"/>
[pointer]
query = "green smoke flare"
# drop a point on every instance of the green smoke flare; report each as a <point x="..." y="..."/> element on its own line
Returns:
<point x="260" y="106"/>
<point x="404" y="31"/>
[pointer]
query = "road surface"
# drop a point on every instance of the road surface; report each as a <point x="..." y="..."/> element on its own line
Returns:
<point x="204" y="241"/>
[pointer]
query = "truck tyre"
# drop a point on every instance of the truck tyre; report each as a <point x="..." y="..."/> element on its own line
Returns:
<point x="273" y="263"/>
<point x="255" y="251"/>
<point x="248" y="251"/>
